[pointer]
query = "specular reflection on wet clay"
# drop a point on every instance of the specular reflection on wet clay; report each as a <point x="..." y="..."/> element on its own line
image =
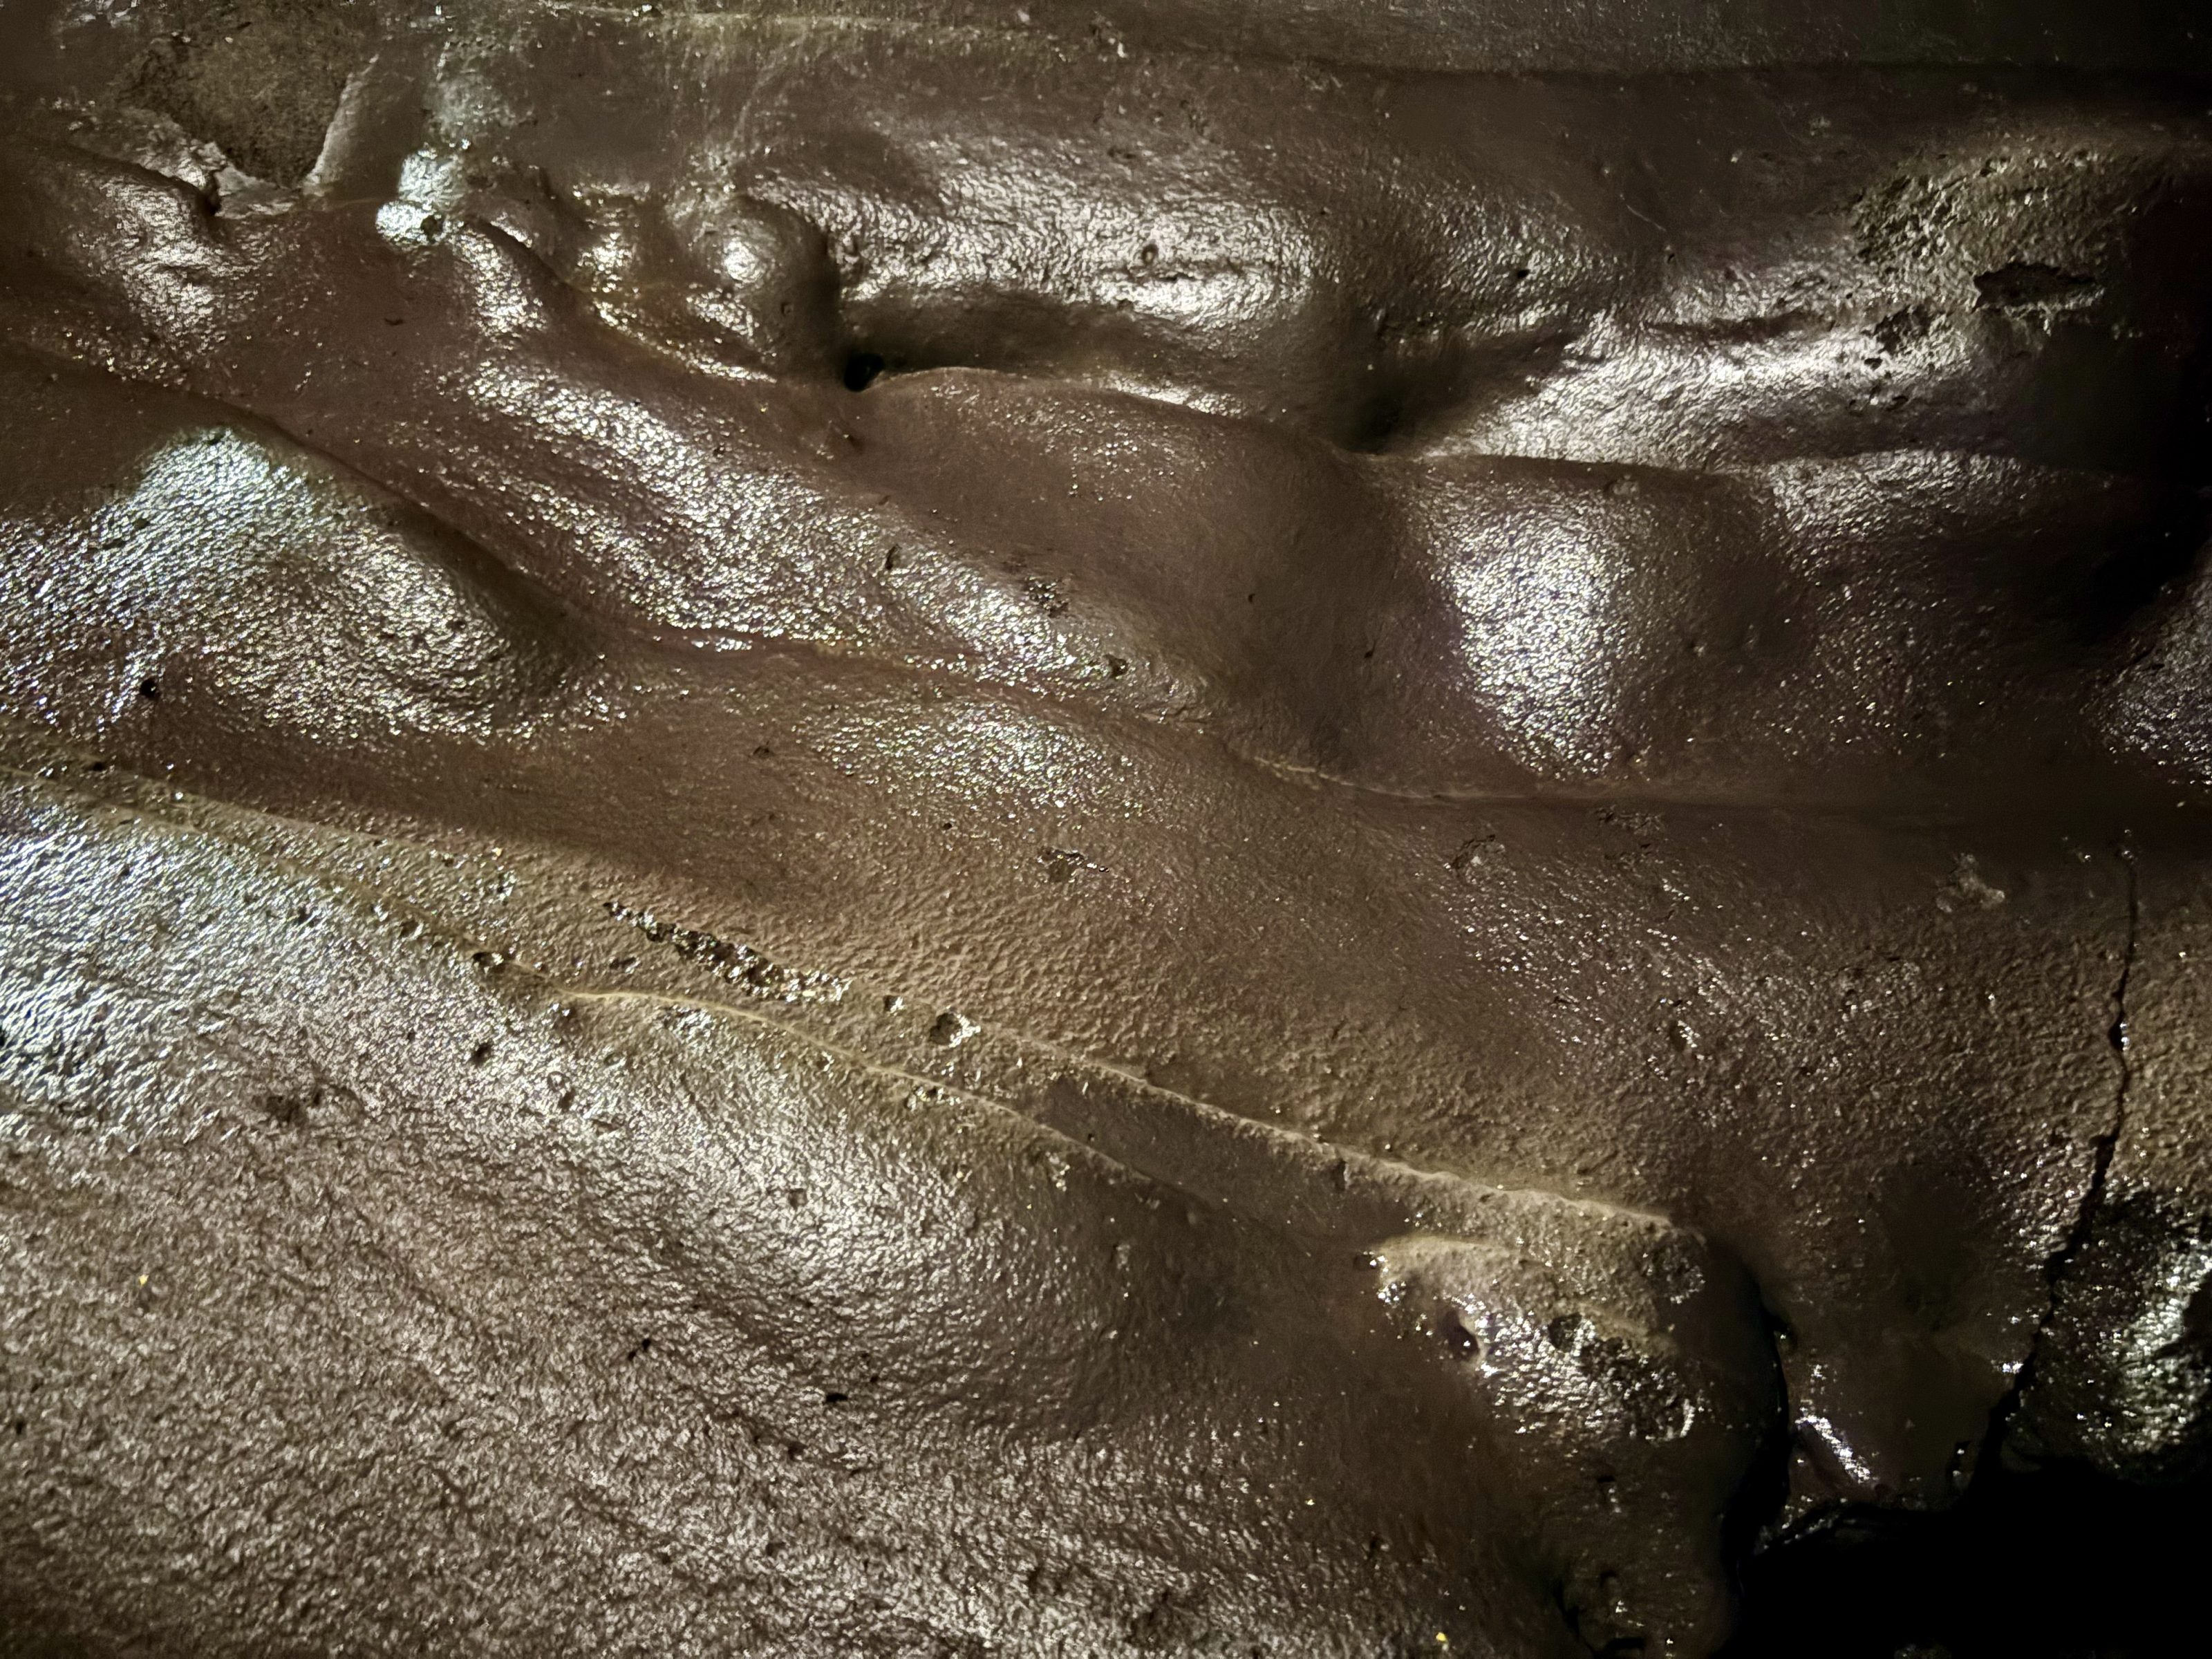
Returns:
<point x="936" y="829"/>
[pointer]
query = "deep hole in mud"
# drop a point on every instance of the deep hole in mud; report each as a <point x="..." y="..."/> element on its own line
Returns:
<point x="861" y="368"/>
<point x="2063" y="1561"/>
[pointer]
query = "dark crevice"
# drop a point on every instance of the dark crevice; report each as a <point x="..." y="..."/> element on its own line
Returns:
<point x="2024" y="284"/>
<point x="1413" y="395"/>
<point x="2047" y="1560"/>
<point x="1372" y="427"/>
<point x="2142" y="567"/>
<point x="861" y="369"/>
<point x="2092" y="1198"/>
<point x="2064" y="1562"/>
<point x="1752" y="1516"/>
<point x="2169" y="542"/>
<point x="2061" y="1262"/>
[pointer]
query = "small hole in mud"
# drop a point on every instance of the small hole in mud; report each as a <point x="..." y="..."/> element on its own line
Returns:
<point x="480" y="1054"/>
<point x="1376" y="423"/>
<point x="150" y="689"/>
<point x="1452" y="1330"/>
<point x="285" y="1109"/>
<point x="951" y="1030"/>
<point x="861" y="368"/>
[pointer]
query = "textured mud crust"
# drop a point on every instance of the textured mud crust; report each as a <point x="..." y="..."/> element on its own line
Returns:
<point x="1227" y="829"/>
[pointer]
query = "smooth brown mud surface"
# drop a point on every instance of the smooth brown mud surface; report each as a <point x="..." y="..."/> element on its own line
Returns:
<point x="1201" y="829"/>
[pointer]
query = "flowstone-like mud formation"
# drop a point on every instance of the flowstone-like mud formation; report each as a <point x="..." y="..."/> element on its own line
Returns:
<point x="928" y="830"/>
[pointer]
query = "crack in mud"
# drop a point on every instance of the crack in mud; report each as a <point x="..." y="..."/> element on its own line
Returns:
<point x="2062" y="1261"/>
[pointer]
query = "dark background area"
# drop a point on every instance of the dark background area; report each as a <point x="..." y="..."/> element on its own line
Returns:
<point x="2061" y="1562"/>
